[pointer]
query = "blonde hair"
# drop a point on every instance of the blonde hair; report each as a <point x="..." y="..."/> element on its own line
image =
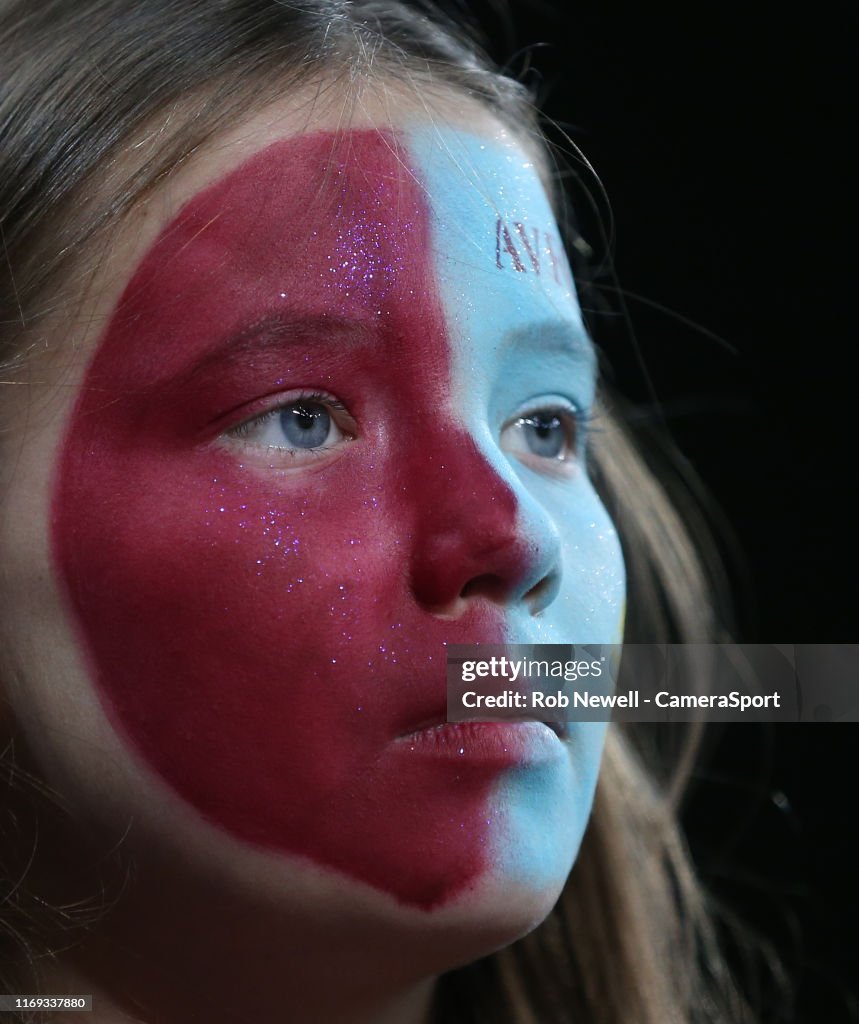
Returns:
<point x="630" y="939"/>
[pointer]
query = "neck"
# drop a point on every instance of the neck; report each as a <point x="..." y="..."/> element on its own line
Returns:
<point x="297" y="999"/>
<point x="180" y="945"/>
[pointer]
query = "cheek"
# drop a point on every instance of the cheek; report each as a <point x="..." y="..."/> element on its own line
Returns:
<point x="258" y="644"/>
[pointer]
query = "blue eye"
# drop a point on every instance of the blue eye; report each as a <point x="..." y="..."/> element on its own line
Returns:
<point x="544" y="438"/>
<point x="545" y="434"/>
<point x="304" y="428"/>
<point x="305" y="424"/>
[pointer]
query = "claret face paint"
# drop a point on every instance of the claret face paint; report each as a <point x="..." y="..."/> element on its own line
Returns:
<point x="335" y="422"/>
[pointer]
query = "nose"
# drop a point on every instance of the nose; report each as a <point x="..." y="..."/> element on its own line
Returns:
<point x="479" y="537"/>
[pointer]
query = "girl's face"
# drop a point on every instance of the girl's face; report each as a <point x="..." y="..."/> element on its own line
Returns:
<point x="329" y="415"/>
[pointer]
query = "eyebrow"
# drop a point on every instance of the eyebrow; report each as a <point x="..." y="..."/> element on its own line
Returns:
<point x="561" y="337"/>
<point x="271" y="335"/>
<point x="274" y="333"/>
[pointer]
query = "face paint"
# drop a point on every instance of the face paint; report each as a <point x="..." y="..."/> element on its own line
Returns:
<point x="518" y="341"/>
<point x="267" y="633"/>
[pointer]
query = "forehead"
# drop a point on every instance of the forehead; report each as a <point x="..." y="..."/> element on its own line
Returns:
<point x="284" y="188"/>
<point x="296" y="182"/>
<point x="498" y="255"/>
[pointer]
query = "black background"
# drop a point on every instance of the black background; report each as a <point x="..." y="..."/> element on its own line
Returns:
<point x="722" y="135"/>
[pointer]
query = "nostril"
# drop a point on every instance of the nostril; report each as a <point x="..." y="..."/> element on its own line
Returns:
<point x="543" y="593"/>
<point x="486" y="585"/>
<point x="496" y="588"/>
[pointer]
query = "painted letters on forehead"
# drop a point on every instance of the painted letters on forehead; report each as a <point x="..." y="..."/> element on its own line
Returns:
<point x="262" y="636"/>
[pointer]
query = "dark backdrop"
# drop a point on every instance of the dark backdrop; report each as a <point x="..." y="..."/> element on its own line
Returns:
<point x="723" y="138"/>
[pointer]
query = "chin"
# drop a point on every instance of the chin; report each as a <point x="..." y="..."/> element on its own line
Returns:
<point x="538" y="817"/>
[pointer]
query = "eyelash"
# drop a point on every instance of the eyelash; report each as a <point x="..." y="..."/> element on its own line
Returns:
<point x="245" y="428"/>
<point x="288" y="457"/>
<point x="582" y="420"/>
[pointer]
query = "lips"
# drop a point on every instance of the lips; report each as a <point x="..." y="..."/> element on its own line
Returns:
<point x="560" y="729"/>
<point x="431" y="721"/>
<point x="486" y="745"/>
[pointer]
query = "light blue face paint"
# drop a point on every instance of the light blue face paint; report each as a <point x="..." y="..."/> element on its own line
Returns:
<point x="518" y="341"/>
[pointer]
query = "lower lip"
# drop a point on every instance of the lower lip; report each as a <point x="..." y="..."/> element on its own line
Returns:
<point x="499" y="744"/>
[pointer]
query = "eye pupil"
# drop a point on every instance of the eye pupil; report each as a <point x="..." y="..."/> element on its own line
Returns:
<point x="305" y="424"/>
<point x="545" y="427"/>
<point x="545" y="435"/>
<point x="305" y="419"/>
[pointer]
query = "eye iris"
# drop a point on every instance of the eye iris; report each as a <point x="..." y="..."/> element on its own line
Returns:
<point x="305" y="424"/>
<point x="545" y="435"/>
